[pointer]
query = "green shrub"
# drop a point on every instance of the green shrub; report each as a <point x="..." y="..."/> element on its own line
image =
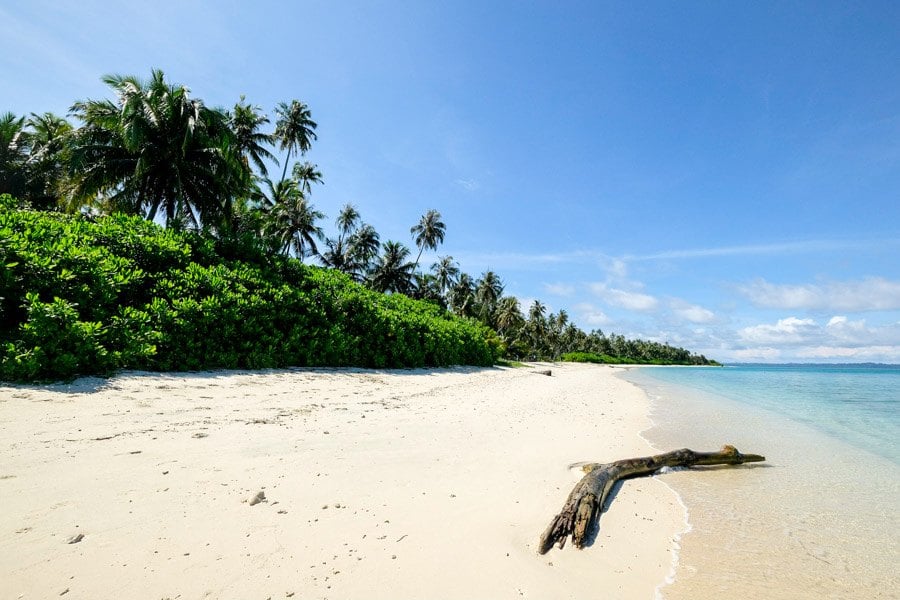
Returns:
<point x="81" y="296"/>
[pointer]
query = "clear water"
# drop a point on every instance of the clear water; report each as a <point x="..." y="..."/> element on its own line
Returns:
<point x="819" y="519"/>
<point x="858" y="404"/>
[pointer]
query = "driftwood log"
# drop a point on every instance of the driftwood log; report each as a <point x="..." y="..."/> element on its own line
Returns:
<point x="582" y="509"/>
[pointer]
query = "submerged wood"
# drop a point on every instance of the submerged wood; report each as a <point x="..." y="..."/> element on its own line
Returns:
<point x="582" y="509"/>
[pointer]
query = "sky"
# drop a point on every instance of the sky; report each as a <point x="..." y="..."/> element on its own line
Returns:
<point x="720" y="176"/>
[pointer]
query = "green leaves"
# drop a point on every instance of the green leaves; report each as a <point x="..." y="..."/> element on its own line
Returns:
<point x="81" y="297"/>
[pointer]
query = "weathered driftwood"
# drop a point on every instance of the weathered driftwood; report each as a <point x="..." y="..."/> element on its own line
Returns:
<point x="582" y="509"/>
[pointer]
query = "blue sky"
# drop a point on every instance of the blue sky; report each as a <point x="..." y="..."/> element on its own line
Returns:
<point x="723" y="176"/>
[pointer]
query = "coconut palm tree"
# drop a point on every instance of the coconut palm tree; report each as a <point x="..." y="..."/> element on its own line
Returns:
<point x="155" y="149"/>
<point x="462" y="295"/>
<point x="294" y="129"/>
<point x="509" y="316"/>
<point x="293" y="222"/>
<point x="392" y="270"/>
<point x="48" y="136"/>
<point x="251" y="144"/>
<point x="446" y="270"/>
<point x="306" y="174"/>
<point x="363" y="246"/>
<point x="488" y="290"/>
<point x="428" y="233"/>
<point x="14" y="151"/>
<point x="347" y="221"/>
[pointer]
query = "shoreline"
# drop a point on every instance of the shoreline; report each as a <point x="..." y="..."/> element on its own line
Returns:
<point x="788" y="528"/>
<point x="378" y="484"/>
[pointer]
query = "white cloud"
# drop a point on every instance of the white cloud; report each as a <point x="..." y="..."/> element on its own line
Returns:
<point x="636" y="301"/>
<point x="559" y="289"/>
<point x="786" y="331"/>
<point x="591" y="316"/>
<point x="873" y="293"/>
<point x="871" y="353"/>
<point x="756" y="354"/>
<point x="691" y="312"/>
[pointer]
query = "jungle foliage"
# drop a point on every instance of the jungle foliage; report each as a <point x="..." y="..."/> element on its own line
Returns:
<point x="83" y="296"/>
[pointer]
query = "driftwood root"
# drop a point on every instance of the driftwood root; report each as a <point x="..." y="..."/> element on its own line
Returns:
<point x="582" y="509"/>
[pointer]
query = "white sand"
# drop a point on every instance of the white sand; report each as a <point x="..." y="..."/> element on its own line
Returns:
<point x="403" y="484"/>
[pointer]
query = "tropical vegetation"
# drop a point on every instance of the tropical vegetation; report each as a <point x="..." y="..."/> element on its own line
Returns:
<point x="152" y="215"/>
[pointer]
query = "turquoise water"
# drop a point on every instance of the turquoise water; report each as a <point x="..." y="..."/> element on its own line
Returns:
<point x="857" y="404"/>
<point x="821" y="517"/>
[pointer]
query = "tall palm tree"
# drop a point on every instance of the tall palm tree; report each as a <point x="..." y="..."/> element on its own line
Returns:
<point x="294" y="129"/>
<point x="251" y="144"/>
<point x="392" y="270"/>
<point x="155" y="149"/>
<point x="428" y="232"/>
<point x="347" y="221"/>
<point x="462" y="295"/>
<point x="48" y="137"/>
<point x="293" y="222"/>
<point x="446" y="270"/>
<point x="306" y="174"/>
<point x="14" y="153"/>
<point x="363" y="246"/>
<point x="488" y="290"/>
<point x="509" y="316"/>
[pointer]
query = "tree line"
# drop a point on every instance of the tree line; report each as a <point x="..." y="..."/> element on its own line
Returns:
<point x="160" y="153"/>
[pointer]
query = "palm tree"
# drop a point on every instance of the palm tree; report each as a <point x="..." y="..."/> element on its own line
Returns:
<point x="427" y="288"/>
<point x="14" y="152"/>
<point x="245" y="122"/>
<point x="487" y="292"/>
<point x="363" y="246"/>
<point x="446" y="270"/>
<point x="156" y="148"/>
<point x="392" y="270"/>
<point x="462" y="295"/>
<point x="509" y="316"/>
<point x="294" y="129"/>
<point x="273" y="194"/>
<point x="48" y="138"/>
<point x="537" y="327"/>
<point x="292" y="221"/>
<point x="306" y="174"/>
<point x="347" y="221"/>
<point x="428" y="232"/>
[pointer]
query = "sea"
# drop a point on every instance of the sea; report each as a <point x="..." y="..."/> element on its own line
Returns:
<point x="821" y="517"/>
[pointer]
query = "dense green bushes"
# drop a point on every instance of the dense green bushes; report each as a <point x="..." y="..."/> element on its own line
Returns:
<point x="81" y="296"/>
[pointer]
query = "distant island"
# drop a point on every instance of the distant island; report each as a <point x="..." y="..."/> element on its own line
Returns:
<point x="150" y="235"/>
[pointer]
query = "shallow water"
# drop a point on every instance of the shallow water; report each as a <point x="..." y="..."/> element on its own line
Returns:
<point x="819" y="519"/>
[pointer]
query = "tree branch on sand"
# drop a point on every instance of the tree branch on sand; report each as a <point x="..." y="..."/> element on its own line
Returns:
<point x="581" y="511"/>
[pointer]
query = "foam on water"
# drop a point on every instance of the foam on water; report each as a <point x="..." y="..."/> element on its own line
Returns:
<point x="819" y="518"/>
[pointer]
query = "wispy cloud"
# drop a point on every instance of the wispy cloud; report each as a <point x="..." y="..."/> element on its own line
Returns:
<point x="874" y="293"/>
<point x="693" y="313"/>
<point x="559" y="289"/>
<point x="590" y="315"/>
<point x="470" y="185"/>
<point x="800" y="247"/>
<point x="630" y="300"/>
<point x="838" y="331"/>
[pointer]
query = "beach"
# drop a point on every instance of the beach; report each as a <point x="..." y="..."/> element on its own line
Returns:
<point x="325" y="483"/>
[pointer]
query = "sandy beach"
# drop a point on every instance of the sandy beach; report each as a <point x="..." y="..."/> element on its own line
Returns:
<point x="394" y="484"/>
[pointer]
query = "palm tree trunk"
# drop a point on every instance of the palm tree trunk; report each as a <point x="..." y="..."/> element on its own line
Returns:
<point x="416" y="265"/>
<point x="287" y="160"/>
